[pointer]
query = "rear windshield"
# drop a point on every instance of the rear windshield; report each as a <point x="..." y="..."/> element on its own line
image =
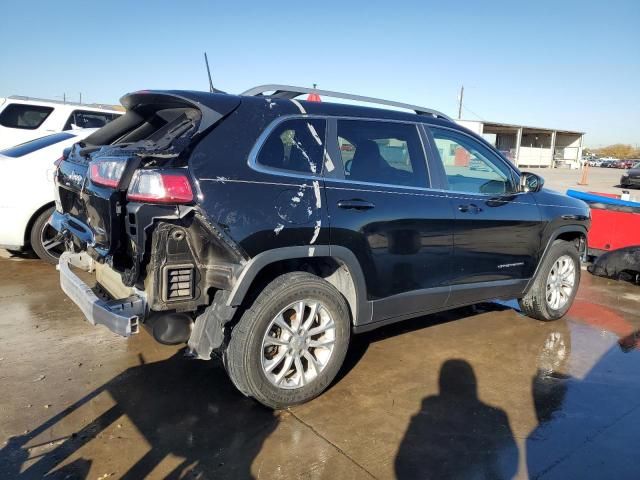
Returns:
<point x="27" y="117"/>
<point x="37" y="144"/>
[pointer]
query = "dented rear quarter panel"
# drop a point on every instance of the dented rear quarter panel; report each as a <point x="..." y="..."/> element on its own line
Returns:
<point x="256" y="209"/>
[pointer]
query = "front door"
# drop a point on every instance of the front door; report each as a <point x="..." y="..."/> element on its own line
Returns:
<point x="497" y="228"/>
<point x="382" y="209"/>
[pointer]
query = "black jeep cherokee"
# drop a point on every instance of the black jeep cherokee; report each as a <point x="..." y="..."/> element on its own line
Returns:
<point x="268" y="230"/>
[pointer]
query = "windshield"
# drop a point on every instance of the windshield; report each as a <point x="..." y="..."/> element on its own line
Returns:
<point x="37" y="144"/>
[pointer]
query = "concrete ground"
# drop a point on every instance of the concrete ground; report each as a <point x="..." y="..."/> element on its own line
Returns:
<point x="604" y="180"/>
<point x="473" y="393"/>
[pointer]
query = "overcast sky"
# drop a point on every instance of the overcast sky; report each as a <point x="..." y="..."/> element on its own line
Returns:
<point x="563" y="64"/>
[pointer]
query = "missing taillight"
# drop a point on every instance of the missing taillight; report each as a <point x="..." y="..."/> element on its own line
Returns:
<point x="107" y="172"/>
<point x="154" y="186"/>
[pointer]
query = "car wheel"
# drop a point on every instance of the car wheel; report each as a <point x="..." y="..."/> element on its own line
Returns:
<point x="289" y="345"/>
<point x="44" y="241"/>
<point x="555" y="285"/>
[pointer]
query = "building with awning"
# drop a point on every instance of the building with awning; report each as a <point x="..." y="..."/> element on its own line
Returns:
<point x="531" y="146"/>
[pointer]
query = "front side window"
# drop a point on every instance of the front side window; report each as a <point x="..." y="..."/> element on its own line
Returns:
<point x="88" y="119"/>
<point x="33" y="145"/>
<point x="26" y="117"/>
<point x="296" y="145"/>
<point x="382" y="152"/>
<point x="470" y="167"/>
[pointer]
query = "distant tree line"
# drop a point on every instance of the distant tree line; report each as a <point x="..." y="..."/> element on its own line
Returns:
<point x="619" y="150"/>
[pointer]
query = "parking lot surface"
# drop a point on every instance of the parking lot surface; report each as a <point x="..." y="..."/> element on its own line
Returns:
<point x="474" y="393"/>
<point x="602" y="180"/>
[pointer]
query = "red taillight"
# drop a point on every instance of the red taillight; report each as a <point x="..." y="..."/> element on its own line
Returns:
<point x="157" y="187"/>
<point x="107" y="171"/>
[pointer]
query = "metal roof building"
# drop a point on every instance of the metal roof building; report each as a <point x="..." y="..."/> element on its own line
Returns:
<point x="531" y="146"/>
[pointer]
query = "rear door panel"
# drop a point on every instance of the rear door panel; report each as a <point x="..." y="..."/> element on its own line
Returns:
<point x="401" y="235"/>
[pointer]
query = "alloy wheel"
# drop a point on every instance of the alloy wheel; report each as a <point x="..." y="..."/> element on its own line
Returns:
<point x="560" y="282"/>
<point x="298" y="344"/>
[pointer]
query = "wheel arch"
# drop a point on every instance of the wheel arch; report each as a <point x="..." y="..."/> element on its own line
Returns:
<point x="337" y="265"/>
<point x="569" y="233"/>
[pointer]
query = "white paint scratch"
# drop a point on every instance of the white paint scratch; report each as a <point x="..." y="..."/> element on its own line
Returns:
<point x="312" y="251"/>
<point x="271" y="103"/>
<point x="312" y="166"/>
<point x="316" y="232"/>
<point x="295" y="199"/>
<point x="278" y="228"/>
<point x="221" y="179"/>
<point x="300" y="107"/>
<point x="316" y="190"/>
<point x="328" y="163"/>
<point x="314" y="132"/>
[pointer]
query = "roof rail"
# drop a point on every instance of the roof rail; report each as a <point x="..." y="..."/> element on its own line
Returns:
<point x="290" y="92"/>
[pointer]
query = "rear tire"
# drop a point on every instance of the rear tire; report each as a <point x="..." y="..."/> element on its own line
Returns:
<point x="555" y="285"/>
<point x="284" y="364"/>
<point x="41" y="238"/>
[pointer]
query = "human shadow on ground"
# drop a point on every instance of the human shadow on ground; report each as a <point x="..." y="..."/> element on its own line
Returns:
<point x="182" y="410"/>
<point x="456" y="435"/>
<point x="189" y="411"/>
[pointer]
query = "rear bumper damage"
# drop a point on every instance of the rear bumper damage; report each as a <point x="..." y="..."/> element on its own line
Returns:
<point x="120" y="316"/>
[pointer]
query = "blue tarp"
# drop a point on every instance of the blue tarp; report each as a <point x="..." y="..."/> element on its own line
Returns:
<point x="593" y="198"/>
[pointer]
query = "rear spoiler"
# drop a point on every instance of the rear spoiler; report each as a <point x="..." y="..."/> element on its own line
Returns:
<point x="143" y="104"/>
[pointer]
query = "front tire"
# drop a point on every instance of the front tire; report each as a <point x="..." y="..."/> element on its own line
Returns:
<point x="555" y="285"/>
<point x="289" y="345"/>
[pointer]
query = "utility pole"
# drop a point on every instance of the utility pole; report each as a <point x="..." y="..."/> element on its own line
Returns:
<point x="460" y="102"/>
<point x="80" y="98"/>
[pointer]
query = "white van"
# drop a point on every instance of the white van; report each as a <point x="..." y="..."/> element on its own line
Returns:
<point x="23" y="118"/>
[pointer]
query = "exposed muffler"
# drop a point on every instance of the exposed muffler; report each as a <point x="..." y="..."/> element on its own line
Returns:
<point x="170" y="328"/>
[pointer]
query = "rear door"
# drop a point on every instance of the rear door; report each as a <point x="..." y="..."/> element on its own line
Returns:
<point x="497" y="229"/>
<point x="382" y="208"/>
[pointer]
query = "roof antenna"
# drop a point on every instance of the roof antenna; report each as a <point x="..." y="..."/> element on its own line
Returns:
<point x="206" y="61"/>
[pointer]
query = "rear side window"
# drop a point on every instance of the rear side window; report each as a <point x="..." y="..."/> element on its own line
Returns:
<point x="37" y="144"/>
<point x="27" y="117"/>
<point x="88" y="119"/>
<point x="296" y="145"/>
<point x="382" y="152"/>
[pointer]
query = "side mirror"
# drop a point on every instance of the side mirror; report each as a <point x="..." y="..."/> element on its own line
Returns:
<point x="530" y="182"/>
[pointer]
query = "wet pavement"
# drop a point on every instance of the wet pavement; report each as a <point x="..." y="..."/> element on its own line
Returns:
<point x="475" y="393"/>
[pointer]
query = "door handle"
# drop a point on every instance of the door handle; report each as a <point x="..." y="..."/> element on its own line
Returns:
<point x="355" y="204"/>
<point x="471" y="208"/>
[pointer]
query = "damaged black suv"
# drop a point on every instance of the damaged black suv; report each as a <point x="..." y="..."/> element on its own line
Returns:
<point x="266" y="230"/>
